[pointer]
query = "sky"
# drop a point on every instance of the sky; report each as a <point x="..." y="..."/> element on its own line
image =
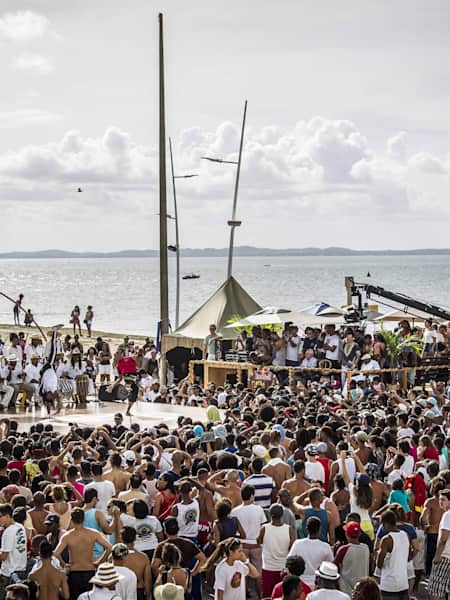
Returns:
<point x="347" y="139"/>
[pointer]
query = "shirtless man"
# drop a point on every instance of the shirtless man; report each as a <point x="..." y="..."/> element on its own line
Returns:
<point x="52" y="582"/>
<point x="380" y="495"/>
<point x="297" y="484"/>
<point x="277" y="468"/>
<point x="430" y="519"/>
<point x="117" y="474"/>
<point x="138" y="562"/>
<point x="230" y="488"/>
<point x="38" y="514"/>
<point x="79" y="542"/>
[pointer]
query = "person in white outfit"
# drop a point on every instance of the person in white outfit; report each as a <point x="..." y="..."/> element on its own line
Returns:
<point x="392" y="559"/>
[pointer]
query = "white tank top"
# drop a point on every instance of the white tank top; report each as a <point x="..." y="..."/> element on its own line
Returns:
<point x="394" y="574"/>
<point x="275" y="547"/>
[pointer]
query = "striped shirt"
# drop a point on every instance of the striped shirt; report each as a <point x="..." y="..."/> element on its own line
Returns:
<point x="263" y="485"/>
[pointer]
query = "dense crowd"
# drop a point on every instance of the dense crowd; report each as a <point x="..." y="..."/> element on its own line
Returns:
<point x="289" y="492"/>
<point x="348" y="348"/>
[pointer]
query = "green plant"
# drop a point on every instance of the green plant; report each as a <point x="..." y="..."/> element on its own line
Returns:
<point x="395" y="344"/>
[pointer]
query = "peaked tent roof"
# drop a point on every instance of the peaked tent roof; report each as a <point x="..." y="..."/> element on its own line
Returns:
<point x="229" y="301"/>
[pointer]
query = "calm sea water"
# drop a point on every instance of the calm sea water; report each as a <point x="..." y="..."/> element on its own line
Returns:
<point x="125" y="292"/>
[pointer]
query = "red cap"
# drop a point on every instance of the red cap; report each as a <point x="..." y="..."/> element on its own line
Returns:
<point x="352" y="529"/>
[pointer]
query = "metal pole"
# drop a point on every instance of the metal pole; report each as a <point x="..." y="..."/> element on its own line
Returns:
<point x="177" y="239"/>
<point x="236" y="189"/>
<point x="163" y="265"/>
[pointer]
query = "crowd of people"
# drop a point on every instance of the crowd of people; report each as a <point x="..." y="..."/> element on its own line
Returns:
<point x="78" y="368"/>
<point x="287" y="492"/>
<point x="349" y="348"/>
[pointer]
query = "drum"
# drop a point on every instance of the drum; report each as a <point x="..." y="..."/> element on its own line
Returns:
<point x="66" y="387"/>
<point x="82" y="387"/>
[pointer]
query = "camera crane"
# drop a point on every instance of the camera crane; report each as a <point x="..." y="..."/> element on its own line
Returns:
<point x="357" y="290"/>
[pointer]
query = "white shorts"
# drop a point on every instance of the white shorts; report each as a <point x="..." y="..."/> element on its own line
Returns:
<point x="104" y="369"/>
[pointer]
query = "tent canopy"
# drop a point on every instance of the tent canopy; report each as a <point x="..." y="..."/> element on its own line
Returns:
<point x="319" y="314"/>
<point x="229" y="301"/>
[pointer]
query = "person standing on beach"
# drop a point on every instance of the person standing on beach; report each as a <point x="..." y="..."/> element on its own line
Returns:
<point x="103" y="352"/>
<point x="88" y="318"/>
<point x="75" y="319"/>
<point x="16" y="309"/>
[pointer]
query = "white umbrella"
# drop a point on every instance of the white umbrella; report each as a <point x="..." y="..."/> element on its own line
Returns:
<point x="281" y="316"/>
<point x="270" y="315"/>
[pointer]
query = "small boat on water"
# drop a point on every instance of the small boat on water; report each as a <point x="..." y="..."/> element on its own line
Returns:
<point x="191" y="276"/>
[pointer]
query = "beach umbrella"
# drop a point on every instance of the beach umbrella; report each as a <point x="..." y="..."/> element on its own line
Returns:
<point x="270" y="315"/>
<point x="322" y="309"/>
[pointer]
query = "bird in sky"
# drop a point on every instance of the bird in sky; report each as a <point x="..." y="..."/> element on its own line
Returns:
<point x="79" y="190"/>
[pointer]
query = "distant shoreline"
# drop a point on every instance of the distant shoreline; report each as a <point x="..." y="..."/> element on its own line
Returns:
<point x="244" y="251"/>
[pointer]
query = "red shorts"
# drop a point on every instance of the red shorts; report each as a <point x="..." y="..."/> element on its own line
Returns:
<point x="269" y="581"/>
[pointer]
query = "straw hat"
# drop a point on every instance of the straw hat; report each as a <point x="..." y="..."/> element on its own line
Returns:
<point x="35" y="336"/>
<point x="106" y="575"/>
<point x="35" y="355"/>
<point x="169" y="591"/>
<point x="12" y="358"/>
<point x="328" y="570"/>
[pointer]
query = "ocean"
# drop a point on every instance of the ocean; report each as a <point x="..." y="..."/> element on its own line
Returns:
<point x="125" y="292"/>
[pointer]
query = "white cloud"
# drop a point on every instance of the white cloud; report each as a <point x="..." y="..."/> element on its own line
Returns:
<point x="23" y="26"/>
<point x="321" y="166"/>
<point x="426" y="162"/>
<point x="34" y="63"/>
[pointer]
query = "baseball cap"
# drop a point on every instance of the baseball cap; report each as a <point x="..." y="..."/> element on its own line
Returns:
<point x="129" y="456"/>
<point x="311" y="449"/>
<point x="322" y="447"/>
<point x="352" y="529"/>
<point x="51" y="519"/>
<point x="429" y="414"/>
<point x="119" y="550"/>
<point x="259" y="451"/>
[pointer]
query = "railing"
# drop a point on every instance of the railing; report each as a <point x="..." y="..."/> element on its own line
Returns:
<point x="253" y="369"/>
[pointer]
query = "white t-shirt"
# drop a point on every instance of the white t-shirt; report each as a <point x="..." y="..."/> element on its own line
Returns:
<point x="146" y="530"/>
<point x="230" y="580"/>
<point x="127" y="587"/>
<point x="328" y="595"/>
<point x="314" y="471"/>
<point x="14" y="542"/>
<point x="429" y="336"/>
<point x="445" y="524"/>
<point x="32" y="372"/>
<point x="332" y="340"/>
<point x="251" y="517"/>
<point x="105" y="491"/>
<point x="292" y="351"/>
<point x="395" y="474"/>
<point x="350" y="466"/>
<point x="13" y="350"/>
<point x="221" y="399"/>
<point x="313" y="552"/>
<point x="405" y="432"/>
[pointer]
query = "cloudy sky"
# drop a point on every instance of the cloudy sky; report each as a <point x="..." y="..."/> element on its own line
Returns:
<point x="348" y="137"/>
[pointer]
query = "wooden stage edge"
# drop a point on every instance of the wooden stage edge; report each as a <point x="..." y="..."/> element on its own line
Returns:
<point x="146" y="414"/>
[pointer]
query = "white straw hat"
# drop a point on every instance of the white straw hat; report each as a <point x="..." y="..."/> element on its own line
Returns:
<point x="106" y="575"/>
<point x="169" y="591"/>
<point x="328" y="570"/>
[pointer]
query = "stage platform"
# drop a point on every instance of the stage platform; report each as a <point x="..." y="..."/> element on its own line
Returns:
<point x="99" y="413"/>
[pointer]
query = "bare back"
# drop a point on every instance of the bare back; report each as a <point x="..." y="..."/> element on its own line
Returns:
<point x="52" y="582"/>
<point x="137" y="562"/>
<point x="80" y="544"/>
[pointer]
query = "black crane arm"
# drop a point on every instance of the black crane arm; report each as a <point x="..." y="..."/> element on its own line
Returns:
<point x="403" y="299"/>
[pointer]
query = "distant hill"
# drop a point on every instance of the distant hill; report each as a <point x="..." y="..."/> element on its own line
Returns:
<point x="222" y="252"/>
